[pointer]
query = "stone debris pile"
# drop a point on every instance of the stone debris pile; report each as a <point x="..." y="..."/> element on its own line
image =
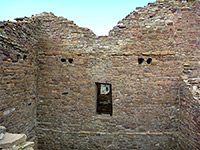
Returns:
<point x="9" y="141"/>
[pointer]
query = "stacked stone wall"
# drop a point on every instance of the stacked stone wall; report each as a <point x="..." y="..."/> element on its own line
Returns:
<point x="50" y="68"/>
<point x="18" y="51"/>
<point x="188" y="31"/>
<point x="190" y="115"/>
<point x="145" y="96"/>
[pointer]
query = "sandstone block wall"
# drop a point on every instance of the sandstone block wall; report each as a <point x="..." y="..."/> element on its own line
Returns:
<point x="188" y="30"/>
<point x="190" y="117"/>
<point x="145" y="58"/>
<point x="9" y="141"/>
<point x="142" y="97"/>
<point x="18" y="69"/>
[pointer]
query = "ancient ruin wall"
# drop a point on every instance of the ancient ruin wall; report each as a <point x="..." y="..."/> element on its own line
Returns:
<point x="190" y="86"/>
<point x="144" y="96"/>
<point x="18" y="49"/>
<point x="190" y="114"/>
<point x="183" y="37"/>
<point x="142" y="59"/>
<point x="188" y="32"/>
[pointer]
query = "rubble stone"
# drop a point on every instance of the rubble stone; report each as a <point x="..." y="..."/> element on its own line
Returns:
<point x="11" y="140"/>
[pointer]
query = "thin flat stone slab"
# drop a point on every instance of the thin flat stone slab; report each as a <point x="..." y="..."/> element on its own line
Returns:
<point x="29" y="148"/>
<point x="22" y="146"/>
<point x="11" y="140"/>
<point x="27" y="145"/>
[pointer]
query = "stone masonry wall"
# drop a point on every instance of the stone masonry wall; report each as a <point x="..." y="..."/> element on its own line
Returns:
<point x="190" y="114"/>
<point x="145" y="96"/>
<point x="188" y="31"/>
<point x="50" y="67"/>
<point x="189" y="89"/>
<point x="182" y="35"/>
<point x="18" y="70"/>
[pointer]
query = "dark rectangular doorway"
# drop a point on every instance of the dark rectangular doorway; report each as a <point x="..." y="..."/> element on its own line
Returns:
<point x="104" y="98"/>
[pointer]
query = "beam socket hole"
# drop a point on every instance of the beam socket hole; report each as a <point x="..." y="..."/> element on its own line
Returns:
<point x="140" y="60"/>
<point x="70" y="60"/>
<point x="63" y="59"/>
<point x="149" y="60"/>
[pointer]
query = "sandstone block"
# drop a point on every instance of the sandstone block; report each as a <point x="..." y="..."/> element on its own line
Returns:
<point x="156" y="53"/>
<point x="11" y="140"/>
<point x="146" y="53"/>
<point x="164" y="52"/>
<point x="169" y="22"/>
<point x="186" y="65"/>
<point x="171" y="52"/>
<point x="24" y="146"/>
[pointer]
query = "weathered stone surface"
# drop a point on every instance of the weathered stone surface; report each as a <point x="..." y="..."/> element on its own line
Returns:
<point x="15" y="142"/>
<point x="50" y="67"/>
<point x="11" y="140"/>
<point x="24" y="146"/>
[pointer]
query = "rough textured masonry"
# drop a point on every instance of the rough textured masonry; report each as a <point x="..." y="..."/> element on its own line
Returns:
<point x="138" y="88"/>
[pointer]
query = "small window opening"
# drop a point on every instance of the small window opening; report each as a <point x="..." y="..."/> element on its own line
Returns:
<point x="63" y="59"/>
<point x="149" y="60"/>
<point x="70" y="60"/>
<point x="104" y="98"/>
<point x="140" y="60"/>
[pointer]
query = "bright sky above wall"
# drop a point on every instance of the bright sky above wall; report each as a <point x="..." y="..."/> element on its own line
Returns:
<point x="98" y="15"/>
